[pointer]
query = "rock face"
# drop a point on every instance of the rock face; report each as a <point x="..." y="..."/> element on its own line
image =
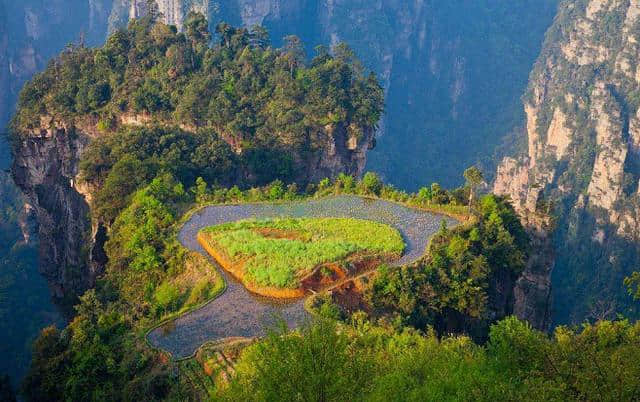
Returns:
<point x="344" y="151"/>
<point x="45" y="167"/>
<point x="582" y="134"/>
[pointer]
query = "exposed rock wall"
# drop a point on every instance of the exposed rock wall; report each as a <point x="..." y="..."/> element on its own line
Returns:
<point x="582" y="135"/>
<point x="45" y="167"/>
<point x="343" y="151"/>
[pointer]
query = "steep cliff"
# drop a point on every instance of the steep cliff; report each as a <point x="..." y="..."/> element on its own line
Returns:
<point x="45" y="168"/>
<point x="582" y="159"/>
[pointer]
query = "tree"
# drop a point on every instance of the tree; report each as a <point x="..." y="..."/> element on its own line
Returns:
<point x="225" y="31"/>
<point x="259" y="37"/>
<point x="633" y="284"/>
<point x="293" y="52"/>
<point x="425" y="194"/>
<point x="201" y="190"/>
<point x="474" y="179"/>
<point x="313" y="365"/>
<point x="276" y="190"/>
<point x="322" y="55"/>
<point x="123" y="179"/>
<point x="196" y="29"/>
<point x="343" y="53"/>
<point x="371" y="183"/>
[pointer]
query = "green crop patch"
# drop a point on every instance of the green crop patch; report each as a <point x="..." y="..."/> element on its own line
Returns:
<point x="279" y="252"/>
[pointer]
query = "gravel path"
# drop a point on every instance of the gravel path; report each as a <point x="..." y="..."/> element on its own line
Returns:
<point x="239" y="313"/>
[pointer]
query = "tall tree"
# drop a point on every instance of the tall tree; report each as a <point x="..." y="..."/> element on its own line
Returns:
<point x="474" y="179"/>
<point x="259" y="37"/>
<point x="294" y="52"/>
<point x="197" y="30"/>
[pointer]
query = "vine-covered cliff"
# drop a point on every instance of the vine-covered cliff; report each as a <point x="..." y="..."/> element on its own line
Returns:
<point x="583" y="153"/>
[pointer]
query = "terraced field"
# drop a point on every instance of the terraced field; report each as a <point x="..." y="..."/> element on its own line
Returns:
<point x="238" y="312"/>
<point x="272" y="256"/>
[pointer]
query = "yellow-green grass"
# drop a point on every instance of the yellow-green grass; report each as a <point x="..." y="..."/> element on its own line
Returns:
<point x="279" y="252"/>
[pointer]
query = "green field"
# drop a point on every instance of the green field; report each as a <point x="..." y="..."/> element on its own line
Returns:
<point x="278" y="252"/>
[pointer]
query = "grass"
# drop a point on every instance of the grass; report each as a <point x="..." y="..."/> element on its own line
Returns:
<point x="278" y="252"/>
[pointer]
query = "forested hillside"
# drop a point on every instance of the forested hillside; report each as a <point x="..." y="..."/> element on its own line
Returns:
<point x="157" y="110"/>
<point x="152" y="100"/>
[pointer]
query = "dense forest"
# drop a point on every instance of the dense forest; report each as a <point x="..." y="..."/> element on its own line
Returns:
<point x="268" y="105"/>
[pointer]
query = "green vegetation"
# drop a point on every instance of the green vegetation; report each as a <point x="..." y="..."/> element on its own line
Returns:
<point x="102" y="354"/>
<point x="241" y="86"/>
<point x="296" y="246"/>
<point x="394" y="353"/>
<point x="239" y="112"/>
<point x="131" y="157"/>
<point x="449" y="289"/>
<point x="360" y="361"/>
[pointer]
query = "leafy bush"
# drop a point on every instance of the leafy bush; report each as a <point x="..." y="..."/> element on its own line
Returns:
<point x="166" y="295"/>
<point x="361" y="361"/>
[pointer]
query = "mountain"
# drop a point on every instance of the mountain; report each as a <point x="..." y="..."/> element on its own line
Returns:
<point x="453" y="71"/>
<point x="582" y="161"/>
<point x="443" y="85"/>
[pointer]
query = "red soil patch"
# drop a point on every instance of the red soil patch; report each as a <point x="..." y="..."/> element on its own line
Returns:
<point x="323" y="277"/>
<point x="366" y="263"/>
<point x="349" y="296"/>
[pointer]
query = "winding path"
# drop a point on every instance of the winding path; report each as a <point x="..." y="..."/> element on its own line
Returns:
<point x="239" y="313"/>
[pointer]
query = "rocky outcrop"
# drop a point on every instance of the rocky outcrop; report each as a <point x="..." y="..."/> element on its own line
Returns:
<point x="345" y="150"/>
<point x="582" y="156"/>
<point x="45" y="167"/>
<point x="173" y="12"/>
